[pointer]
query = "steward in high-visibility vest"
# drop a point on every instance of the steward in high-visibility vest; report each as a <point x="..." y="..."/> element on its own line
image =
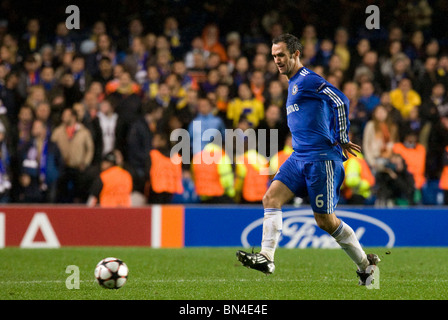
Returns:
<point x="414" y="154"/>
<point x="443" y="182"/>
<point x="113" y="187"/>
<point x="165" y="172"/>
<point x="213" y="175"/>
<point x="358" y="181"/>
<point x="280" y="157"/>
<point x="252" y="177"/>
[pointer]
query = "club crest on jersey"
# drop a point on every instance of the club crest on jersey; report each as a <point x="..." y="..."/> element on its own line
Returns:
<point x="295" y="89"/>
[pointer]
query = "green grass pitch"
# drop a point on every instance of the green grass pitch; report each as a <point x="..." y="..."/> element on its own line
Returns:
<point x="215" y="274"/>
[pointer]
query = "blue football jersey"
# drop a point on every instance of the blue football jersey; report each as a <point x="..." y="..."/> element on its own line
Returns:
<point x="317" y="114"/>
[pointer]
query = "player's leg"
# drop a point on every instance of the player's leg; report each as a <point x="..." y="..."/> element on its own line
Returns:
<point x="325" y="180"/>
<point x="277" y="195"/>
<point x="279" y="192"/>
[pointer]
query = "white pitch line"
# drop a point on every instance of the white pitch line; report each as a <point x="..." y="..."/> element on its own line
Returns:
<point x="216" y="280"/>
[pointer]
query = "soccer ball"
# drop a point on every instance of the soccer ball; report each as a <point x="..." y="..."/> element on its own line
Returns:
<point x="111" y="273"/>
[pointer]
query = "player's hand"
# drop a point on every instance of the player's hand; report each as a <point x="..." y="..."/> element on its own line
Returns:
<point x="350" y="147"/>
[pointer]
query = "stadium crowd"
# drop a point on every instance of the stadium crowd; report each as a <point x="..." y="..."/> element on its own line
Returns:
<point x="71" y="100"/>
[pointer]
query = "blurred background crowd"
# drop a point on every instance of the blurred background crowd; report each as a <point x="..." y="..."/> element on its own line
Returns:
<point x="115" y="89"/>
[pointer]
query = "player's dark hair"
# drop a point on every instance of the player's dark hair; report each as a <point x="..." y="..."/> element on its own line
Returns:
<point x="292" y="42"/>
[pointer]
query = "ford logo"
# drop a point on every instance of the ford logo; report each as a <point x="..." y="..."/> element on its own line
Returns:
<point x="301" y="231"/>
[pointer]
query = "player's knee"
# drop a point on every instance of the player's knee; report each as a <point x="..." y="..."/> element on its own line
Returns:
<point x="322" y="223"/>
<point x="269" y="201"/>
<point x="327" y="222"/>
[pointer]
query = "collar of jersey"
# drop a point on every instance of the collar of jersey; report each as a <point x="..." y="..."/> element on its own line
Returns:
<point x="294" y="77"/>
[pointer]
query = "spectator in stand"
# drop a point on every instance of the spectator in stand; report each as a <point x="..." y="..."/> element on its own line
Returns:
<point x="309" y="54"/>
<point x="259" y="63"/>
<point x="211" y="83"/>
<point x="386" y="59"/>
<point x="186" y="109"/>
<point x="197" y="47"/>
<point x="245" y="104"/>
<point x="309" y="36"/>
<point x="9" y="96"/>
<point x="370" y="65"/>
<point x="40" y="167"/>
<point x="358" y="113"/>
<point x="163" y="62"/>
<point x="105" y="128"/>
<point x="29" y="76"/>
<point x="400" y="70"/>
<point x="32" y="39"/>
<point x="225" y="75"/>
<point x="172" y="32"/>
<point x="104" y="49"/>
<point x="36" y="95"/>
<point x="7" y="57"/>
<point x="368" y="97"/>
<point x="442" y="69"/>
<point x="437" y="141"/>
<point x="404" y="98"/>
<point x="357" y="55"/>
<point x="394" y="184"/>
<point x="105" y="72"/>
<point x="241" y="71"/>
<point x="380" y="133"/>
<point x="43" y="113"/>
<point x="77" y="150"/>
<point x="150" y="86"/>
<point x="233" y="53"/>
<point x="205" y="120"/>
<point x="138" y="143"/>
<point x="136" y="61"/>
<point x="176" y="89"/>
<point x="81" y="76"/>
<point x="435" y="105"/>
<point x="341" y="47"/>
<point x="135" y="29"/>
<point x="257" y="85"/>
<point x="63" y="41"/>
<point x="24" y="125"/>
<point x="324" y="52"/>
<point x="5" y="166"/>
<point x="415" y="49"/>
<point x="48" y="80"/>
<point x="213" y="61"/>
<point x="426" y="81"/>
<point x="212" y="44"/>
<point x="275" y="95"/>
<point x="128" y="99"/>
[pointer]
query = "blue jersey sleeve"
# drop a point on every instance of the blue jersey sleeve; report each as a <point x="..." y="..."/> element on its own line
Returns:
<point x="340" y="104"/>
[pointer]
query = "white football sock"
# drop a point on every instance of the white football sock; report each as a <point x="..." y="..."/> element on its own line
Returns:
<point x="272" y="228"/>
<point x="346" y="238"/>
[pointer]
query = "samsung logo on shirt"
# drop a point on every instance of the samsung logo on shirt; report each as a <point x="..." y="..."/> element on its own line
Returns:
<point x="292" y="108"/>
